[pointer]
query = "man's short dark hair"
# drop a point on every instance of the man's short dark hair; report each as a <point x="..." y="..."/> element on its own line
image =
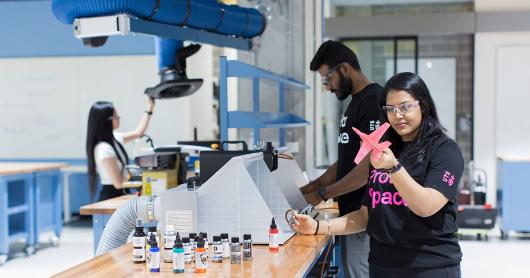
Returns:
<point x="333" y="53"/>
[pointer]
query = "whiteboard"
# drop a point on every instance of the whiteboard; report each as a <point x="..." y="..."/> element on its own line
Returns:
<point x="44" y="103"/>
<point x="513" y="98"/>
<point x="439" y="74"/>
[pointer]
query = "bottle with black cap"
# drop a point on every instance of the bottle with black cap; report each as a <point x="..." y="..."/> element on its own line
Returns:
<point x="187" y="250"/>
<point x="217" y="252"/>
<point x="154" y="263"/>
<point x="201" y="259"/>
<point x="235" y="251"/>
<point x="178" y="256"/>
<point x="226" y="245"/>
<point x="139" y="243"/>
<point x="193" y="243"/>
<point x="247" y="247"/>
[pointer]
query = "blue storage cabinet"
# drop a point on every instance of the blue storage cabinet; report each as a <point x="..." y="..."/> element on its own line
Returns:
<point x="256" y="119"/>
<point x="16" y="212"/>
<point x="79" y="192"/>
<point x="48" y="203"/>
<point x="515" y="207"/>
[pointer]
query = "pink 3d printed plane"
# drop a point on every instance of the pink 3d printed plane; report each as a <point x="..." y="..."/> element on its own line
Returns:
<point x="371" y="142"/>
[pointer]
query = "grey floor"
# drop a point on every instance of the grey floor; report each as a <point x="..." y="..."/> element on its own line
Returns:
<point x="493" y="258"/>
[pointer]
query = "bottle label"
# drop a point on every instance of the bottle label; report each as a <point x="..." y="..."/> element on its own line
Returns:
<point x="235" y="256"/>
<point x="178" y="261"/>
<point x="217" y="253"/>
<point x="139" y="241"/>
<point x="187" y="254"/>
<point x="169" y="241"/>
<point x="273" y="240"/>
<point x="201" y="260"/>
<point x="168" y="255"/>
<point x="155" y="260"/>
<point x="247" y="249"/>
<point x="139" y="254"/>
<point x="226" y="250"/>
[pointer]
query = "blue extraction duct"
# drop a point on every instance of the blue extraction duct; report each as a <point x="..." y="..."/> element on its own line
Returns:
<point x="204" y="15"/>
<point x="207" y="15"/>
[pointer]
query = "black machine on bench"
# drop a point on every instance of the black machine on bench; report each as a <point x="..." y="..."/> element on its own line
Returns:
<point x="212" y="161"/>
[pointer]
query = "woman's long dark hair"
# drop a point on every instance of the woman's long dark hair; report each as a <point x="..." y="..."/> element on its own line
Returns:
<point x="100" y="130"/>
<point x="430" y="128"/>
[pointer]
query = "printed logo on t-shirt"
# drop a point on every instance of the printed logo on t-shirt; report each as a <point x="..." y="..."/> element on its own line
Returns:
<point x="390" y="198"/>
<point x="448" y="178"/>
<point x="344" y="137"/>
<point x="374" y="125"/>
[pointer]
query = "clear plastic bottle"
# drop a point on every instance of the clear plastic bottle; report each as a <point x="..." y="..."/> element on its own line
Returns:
<point x="151" y="231"/>
<point x="187" y="250"/>
<point x="178" y="257"/>
<point x="169" y="241"/>
<point x="217" y="252"/>
<point x="235" y="251"/>
<point x="273" y="237"/>
<point x="204" y="236"/>
<point x="154" y="263"/>
<point x="247" y="247"/>
<point x="226" y="246"/>
<point x="201" y="258"/>
<point x="193" y="242"/>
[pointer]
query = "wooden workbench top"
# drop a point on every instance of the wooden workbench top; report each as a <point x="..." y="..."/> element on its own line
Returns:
<point x="15" y="168"/>
<point x="294" y="259"/>
<point x="106" y="207"/>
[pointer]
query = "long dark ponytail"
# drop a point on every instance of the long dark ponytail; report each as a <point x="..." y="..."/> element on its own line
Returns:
<point x="430" y="128"/>
<point x="99" y="129"/>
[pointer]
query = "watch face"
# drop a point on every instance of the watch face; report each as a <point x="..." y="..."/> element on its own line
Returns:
<point x="322" y="192"/>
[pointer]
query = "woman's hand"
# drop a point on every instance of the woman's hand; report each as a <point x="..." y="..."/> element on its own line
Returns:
<point x="304" y="224"/>
<point x="386" y="160"/>
<point x="150" y="104"/>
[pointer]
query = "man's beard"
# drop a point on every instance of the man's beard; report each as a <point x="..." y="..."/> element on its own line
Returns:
<point x="345" y="87"/>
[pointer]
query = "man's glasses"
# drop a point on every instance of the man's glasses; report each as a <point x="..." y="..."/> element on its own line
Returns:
<point x="326" y="78"/>
<point x="403" y="108"/>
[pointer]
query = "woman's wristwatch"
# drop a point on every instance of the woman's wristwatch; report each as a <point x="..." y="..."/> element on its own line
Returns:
<point x="149" y="112"/>
<point x="394" y="169"/>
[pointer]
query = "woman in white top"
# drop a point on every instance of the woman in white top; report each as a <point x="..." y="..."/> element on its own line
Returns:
<point x="105" y="152"/>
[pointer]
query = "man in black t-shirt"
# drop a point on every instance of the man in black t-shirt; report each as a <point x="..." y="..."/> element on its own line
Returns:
<point x="341" y="74"/>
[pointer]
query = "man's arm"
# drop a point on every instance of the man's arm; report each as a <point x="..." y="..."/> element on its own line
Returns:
<point x="354" y="180"/>
<point x="328" y="177"/>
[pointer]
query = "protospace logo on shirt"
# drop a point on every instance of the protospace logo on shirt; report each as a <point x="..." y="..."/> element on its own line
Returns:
<point x="384" y="197"/>
<point x="344" y="137"/>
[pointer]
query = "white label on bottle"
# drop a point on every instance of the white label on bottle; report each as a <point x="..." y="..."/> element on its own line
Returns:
<point x="226" y="250"/>
<point x="139" y="241"/>
<point x="187" y="254"/>
<point x="139" y="253"/>
<point x="201" y="260"/>
<point x="178" y="261"/>
<point x="168" y="255"/>
<point x="169" y="241"/>
<point x="217" y="252"/>
<point x="273" y="240"/>
<point x="155" y="260"/>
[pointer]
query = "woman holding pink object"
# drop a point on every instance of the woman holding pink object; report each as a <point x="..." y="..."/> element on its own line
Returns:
<point x="410" y="206"/>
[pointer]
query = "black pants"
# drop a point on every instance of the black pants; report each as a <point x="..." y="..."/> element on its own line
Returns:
<point x="108" y="191"/>
<point x="387" y="272"/>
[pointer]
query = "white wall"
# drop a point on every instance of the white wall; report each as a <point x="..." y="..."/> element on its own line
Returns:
<point x="501" y="5"/>
<point x="486" y="87"/>
<point x="486" y="94"/>
<point x="44" y="102"/>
